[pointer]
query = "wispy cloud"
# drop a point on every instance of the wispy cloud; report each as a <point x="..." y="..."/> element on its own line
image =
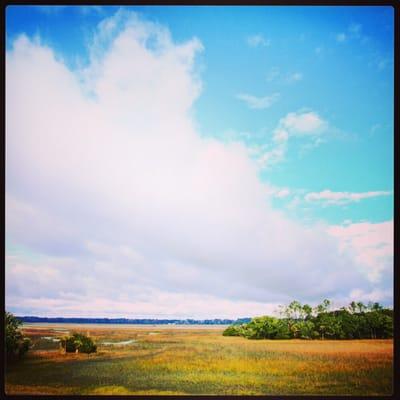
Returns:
<point x="355" y="29"/>
<point x="353" y="32"/>
<point x="341" y="37"/>
<point x="319" y="50"/>
<point x="273" y="155"/>
<point x="301" y="124"/>
<point x="51" y="10"/>
<point x="313" y="143"/>
<point x="275" y="74"/>
<point x="279" y="192"/>
<point x="258" y="41"/>
<point x="294" y="77"/>
<point x="86" y="10"/>
<point x="259" y="103"/>
<point x="329" y="197"/>
<point x="383" y="63"/>
<point x="374" y="128"/>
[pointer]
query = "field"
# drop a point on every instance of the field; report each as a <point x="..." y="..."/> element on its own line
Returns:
<point x="198" y="360"/>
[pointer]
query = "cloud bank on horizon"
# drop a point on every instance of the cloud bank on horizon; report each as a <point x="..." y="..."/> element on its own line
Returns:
<point x="118" y="204"/>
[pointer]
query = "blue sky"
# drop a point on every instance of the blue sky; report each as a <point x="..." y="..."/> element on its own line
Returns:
<point x="349" y="83"/>
<point x="305" y="92"/>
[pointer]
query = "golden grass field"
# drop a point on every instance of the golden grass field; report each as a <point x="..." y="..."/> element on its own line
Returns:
<point x="198" y="360"/>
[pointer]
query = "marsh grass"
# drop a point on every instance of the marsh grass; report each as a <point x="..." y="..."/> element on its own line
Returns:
<point x="202" y="361"/>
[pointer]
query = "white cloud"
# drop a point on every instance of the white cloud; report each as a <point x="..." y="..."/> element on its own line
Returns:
<point x="355" y="29"/>
<point x="273" y="74"/>
<point x="279" y="192"/>
<point x="273" y="156"/>
<point x="376" y="295"/>
<point x="280" y="135"/>
<point x="353" y="32"/>
<point x="127" y="209"/>
<point x="318" y="50"/>
<point x="374" y="128"/>
<point x="294" y="77"/>
<point x="283" y="193"/>
<point x="259" y="103"/>
<point x="381" y="61"/>
<point x="313" y="143"/>
<point x="303" y="123"/>
<point x="258" y="40"/>
<point x="341" y="37"/>
<point x="372" y="246"/>
<point x="337" y="198"/>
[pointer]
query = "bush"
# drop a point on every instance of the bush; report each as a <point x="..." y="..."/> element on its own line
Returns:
<point x="69" y="345"/>
<point x="78" y="343"/>
<point x="16" y="344"/>
<point x="232" y="330"/>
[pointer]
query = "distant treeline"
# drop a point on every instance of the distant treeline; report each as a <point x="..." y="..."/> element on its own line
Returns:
<point x="144" y="321"/>
<point x="357" y="321"/>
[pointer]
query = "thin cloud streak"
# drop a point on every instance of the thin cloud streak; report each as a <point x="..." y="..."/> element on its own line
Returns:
<point x="338" y="198"/>
<point x="258" y="103"/>
<point x="258" y="41"/>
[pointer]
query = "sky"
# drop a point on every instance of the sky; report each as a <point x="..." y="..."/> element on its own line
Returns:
<point x="197" y="162"/>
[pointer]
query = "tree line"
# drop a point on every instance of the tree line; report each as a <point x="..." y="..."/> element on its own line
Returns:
<point x="357" y="321"/>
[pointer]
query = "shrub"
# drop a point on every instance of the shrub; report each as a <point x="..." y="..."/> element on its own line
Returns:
<point x="78" y="343"/>
<point x="232" y="330"/>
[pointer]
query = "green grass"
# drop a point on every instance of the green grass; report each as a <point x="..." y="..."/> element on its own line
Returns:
<point x="202" y="361"/>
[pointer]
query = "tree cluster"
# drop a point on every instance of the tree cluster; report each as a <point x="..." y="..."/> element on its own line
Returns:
<point x="16" y="344"/>
<point x="357" y="321"/>
<point x="78" y="343"/>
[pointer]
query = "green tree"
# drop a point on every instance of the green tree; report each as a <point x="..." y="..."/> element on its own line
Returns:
<point x="323" y="307"/>
<point x="267" y="327"/>
<point x="307" y="311"/>
<point x="295" y="310"/>
<point x="16" y="344"/>
<point x="361" y="306"/>
<point x="306" y="330"/>
<point x="353" y="307"/>
<point x="356" y="321"/>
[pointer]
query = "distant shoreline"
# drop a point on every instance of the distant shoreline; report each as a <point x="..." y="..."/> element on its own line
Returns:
<point x="126" y="321"/>
<point x="67" y="326"/>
